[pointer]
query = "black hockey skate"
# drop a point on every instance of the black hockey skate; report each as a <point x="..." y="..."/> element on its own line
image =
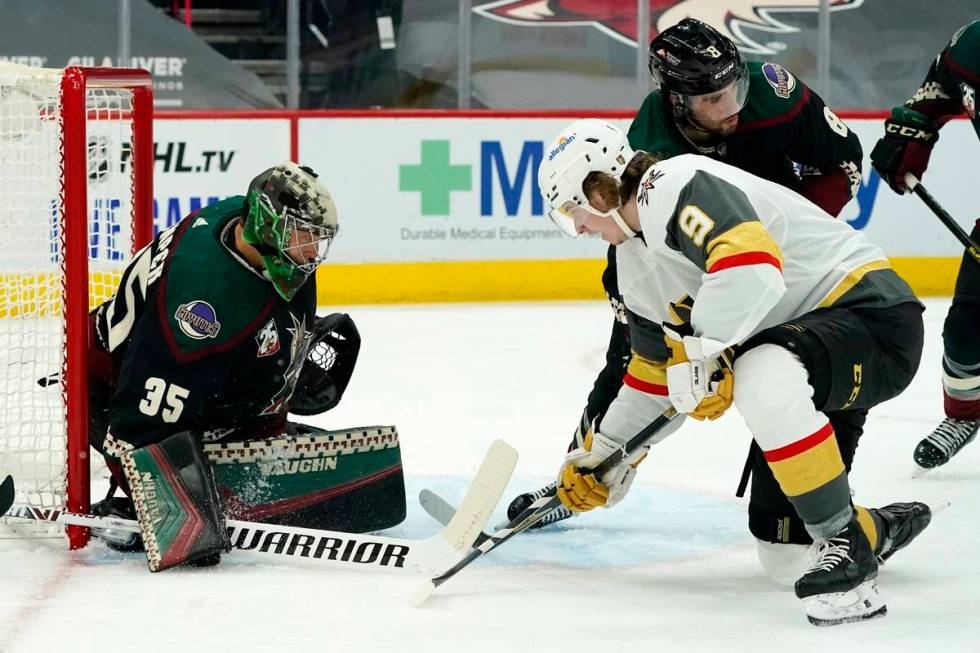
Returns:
<point x="122" y="507"/>
<point x="840" y="585"/>
<point x="903" y="523"/>
<point x="522" y="501"/>
<point x="945" y="442"/>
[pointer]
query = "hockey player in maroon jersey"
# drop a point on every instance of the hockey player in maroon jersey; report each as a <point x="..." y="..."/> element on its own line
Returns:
<point x="949" y="90"/>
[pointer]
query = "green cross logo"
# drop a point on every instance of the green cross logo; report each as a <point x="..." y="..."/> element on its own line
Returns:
<point x="435" y="177"/>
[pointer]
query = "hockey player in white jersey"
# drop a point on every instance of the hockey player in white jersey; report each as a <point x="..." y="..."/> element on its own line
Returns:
<point x="729" y="277"/>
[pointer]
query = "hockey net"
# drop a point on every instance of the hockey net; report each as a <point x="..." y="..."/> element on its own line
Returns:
<point x="75" y="201"/>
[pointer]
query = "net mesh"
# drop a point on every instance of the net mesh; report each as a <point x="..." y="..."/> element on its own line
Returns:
<point x="33" y="445"/>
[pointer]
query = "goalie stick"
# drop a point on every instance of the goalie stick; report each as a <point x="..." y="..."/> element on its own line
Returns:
<point x="541" y="507"/>
<point x="331" y="548"/>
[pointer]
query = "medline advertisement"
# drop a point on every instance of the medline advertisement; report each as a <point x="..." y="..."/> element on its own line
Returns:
<point x="464" y="189"/>
<point x="428" y="190"/>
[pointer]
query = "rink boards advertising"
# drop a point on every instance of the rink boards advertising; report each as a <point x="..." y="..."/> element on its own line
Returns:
<point x="445" y="207"/>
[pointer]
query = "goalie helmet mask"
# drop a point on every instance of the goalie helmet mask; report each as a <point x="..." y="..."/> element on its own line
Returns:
<point x="583" y="147"/>
<point x="291" y="220"/>
<point x="692" y="59"/>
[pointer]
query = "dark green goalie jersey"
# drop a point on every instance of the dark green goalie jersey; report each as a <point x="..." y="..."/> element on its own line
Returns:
<point x="196" y="338"/>
<point x="950" y="87"/>
<point x="785" y="134"/>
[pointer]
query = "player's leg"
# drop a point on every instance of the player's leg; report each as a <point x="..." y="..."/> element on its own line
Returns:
<point x="846" y="367"/>
<point x="797" y="441"/>
<point x="110" y="506"/>
<point x="782" y="541"/>
<point x="961" y="371"/>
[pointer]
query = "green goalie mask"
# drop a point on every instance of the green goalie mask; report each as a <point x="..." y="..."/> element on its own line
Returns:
<point x="291" y="220"/>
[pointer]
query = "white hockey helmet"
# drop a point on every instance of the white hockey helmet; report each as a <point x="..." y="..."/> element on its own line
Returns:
<point x="585" y="146"/>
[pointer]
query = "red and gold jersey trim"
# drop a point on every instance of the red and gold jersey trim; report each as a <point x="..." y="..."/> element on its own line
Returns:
<point x="745" y="244"/>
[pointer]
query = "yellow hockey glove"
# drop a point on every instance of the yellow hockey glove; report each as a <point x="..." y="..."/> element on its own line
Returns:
<point x="699" y="387"/>
<point x="580" y="490"/>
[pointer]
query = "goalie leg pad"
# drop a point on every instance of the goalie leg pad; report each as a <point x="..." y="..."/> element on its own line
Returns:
<point x="176" y="502"/>
<point x="349" y="480"/>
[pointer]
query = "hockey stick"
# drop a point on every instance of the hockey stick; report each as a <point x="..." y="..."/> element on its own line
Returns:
<point x="916" y="186"/>
<point x="332" y="548"/>
<point x="6" y="495"/>
<point x="533" y="513"/>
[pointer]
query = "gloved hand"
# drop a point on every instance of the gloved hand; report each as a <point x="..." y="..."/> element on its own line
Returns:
<point x="580" y="490"/>
<point x="696" y="386"/>
<point x="329" y="365"/>
<point x="905" y="147"/>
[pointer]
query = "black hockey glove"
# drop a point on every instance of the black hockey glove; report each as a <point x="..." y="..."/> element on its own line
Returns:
<point x="906" y="147"/>
<point x="328" y="366"/>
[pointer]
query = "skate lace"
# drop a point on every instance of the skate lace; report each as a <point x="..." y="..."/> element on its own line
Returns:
<point x="558" y="514"/>
<point x="829" y="554"/>
<point x="550" y="487"/>
<point x="952" y="433"/>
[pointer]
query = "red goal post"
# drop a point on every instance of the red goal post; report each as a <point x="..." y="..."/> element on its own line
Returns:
<point x="76" y="184"/>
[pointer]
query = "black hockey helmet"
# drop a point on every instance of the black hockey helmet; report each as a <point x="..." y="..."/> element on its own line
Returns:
<point x="692" y="58"/>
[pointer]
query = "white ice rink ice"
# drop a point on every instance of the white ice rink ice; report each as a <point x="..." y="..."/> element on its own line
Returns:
<point x="672" y="568"/>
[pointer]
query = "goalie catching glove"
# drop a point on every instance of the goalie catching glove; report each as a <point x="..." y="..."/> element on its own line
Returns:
<point x="700" y="387"/>
<point x="328" y="366"/>
<point x="580" y="490"/>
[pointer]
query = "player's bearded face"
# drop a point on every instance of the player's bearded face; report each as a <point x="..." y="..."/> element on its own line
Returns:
<point x="718" y="112"/>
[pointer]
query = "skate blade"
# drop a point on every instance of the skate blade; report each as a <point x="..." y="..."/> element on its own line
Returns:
<point x="859" y="604"/>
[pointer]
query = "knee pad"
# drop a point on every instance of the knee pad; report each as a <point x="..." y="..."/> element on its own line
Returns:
<point x="783" y="563"/>
<point x="774" y="396"/>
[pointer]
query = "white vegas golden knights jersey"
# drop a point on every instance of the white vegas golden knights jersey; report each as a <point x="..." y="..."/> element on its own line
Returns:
<point x="750" y="253"/>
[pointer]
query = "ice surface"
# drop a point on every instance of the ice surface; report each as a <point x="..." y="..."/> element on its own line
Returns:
<point x="672" y="568"/>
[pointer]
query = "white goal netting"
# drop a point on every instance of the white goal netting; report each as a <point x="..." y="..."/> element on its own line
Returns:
<point x="33" y="444"/>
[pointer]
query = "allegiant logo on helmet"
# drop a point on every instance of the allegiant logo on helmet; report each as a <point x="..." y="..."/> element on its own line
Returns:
<point x="562" y="144"/>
